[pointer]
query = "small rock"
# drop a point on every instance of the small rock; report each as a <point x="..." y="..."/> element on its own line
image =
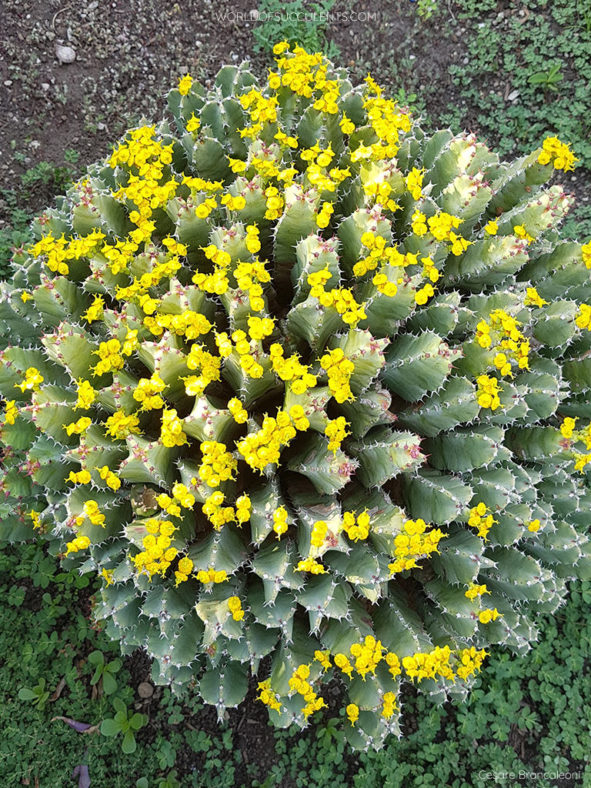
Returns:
<point x="145" y="690"/>
<point x="7" y="83"/>
<point x="65" y="54"/>
<point x="45" y="86"/>
<point x="513" y="96"/>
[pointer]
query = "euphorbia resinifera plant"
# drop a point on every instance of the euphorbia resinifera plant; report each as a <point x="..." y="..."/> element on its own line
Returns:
<point x="309" y="390"/>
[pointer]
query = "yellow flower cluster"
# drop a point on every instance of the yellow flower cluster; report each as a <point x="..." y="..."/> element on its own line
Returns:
<point x="172" y="429"/>
<point x="340" y="299"/>
<point x="482" y="519"/>
<point x="248" y="360"/>
<point x="380" y="192"/>
<point x="79" y="543"/>
<point x="384" y="285"/>
<point x="59" y="251"/>
<point x="184" y="85"/>
<point x="252" y="240"/>
<point x="430" y="271"/>
<point x="291" y="369"/>
<point x="418" y="223"/>
<point x="471" y="661"/>
<point x="78" y="427"/>
<point x="376" y="248"/>
<point x="475" y="590"/>
<point x="318" y="174"/>
<point x="429" y="665"/>
<point x="310" y="565"/>
<point x="339" y="370"/>
<point x="533" y="298"/>
<point x="488" y="615"/>
<point x="267" y="696"/>
<point x="33" y="379"/>
<point x="212" y="575"/>
<point x="336" y="431"/>
<point x="181" y="497"/>
<point x="208" y="366"/>
<point x="299" y="683"/>
<point x="323" y="657"/>
<point x="215" y="511"/>
<point x="567" y="430"/>
<point x="586" y="254"/>
<point x="110" y="357"/>
<point x="11" y="412"/>
<point x="263" y="447"/>
<point x="280" y="521"/>
<point x="95" y="310"/>
<point x="424" y="294"/>
<point x="442" y="225"/>
<point x="393" y="663"/>
<point x="243" y="509"/>
<point x="86" y="395"/>
<point x="145" y="158"/>
<point x="235" y="608"/>
<point x="188" y="323"/>
<point x="119" y="425"/>
<point x="79" y="477"/>
<point x="581" y="461"/>
<point x="387" y="121"/>
<point x="521" y="232"/>
<point x="238" y="411"/>
<point x="356" y="528"/>
<point x="488" y="391"/>
<point x="147" y="392"/>
<point x="217" y="465"/>
<point x="111" y="479"/>
<point x="183" y="570"/>
<point x="92" y="512"/>
<point x="323" y="217"/>
<point x="583" y="319"/>
<point x="158" y="554"/>
<point x="318" y="535"/>
<point x="343" y="301"/>
<point x="193" y="124"/>
<point x="250" y="277"/>
<point x="275" y="203"/>
<point x="558" y="153"/>
<point x="390" y="705"/>
<point x="413" y="543"/>
<point x="414" y="182"/>
<point x="367" y="655"/>
<point x="567" y="427"/>
<point x="260" y="327"/>
<point x="352" y="712"/>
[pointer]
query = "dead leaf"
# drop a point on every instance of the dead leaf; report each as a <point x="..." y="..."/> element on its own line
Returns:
<point x="58" y="690"/>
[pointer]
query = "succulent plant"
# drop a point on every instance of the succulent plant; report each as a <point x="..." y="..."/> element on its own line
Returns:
<point x="309" y="390"/>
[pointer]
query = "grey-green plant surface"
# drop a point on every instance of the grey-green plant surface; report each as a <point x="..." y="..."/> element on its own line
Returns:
<point x="309" y="391"/>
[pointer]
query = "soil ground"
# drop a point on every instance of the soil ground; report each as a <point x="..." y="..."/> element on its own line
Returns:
<point x="128" y="53"/>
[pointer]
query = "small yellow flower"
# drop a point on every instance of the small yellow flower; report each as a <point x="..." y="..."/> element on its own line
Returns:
<point x="185" y="84"/>
<point x="352" y="713"/>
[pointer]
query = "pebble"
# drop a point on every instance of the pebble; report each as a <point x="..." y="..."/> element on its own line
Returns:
<point x="65" y="54"/>
<point x="513" y="96"/>
<point x="145" y="689"/>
